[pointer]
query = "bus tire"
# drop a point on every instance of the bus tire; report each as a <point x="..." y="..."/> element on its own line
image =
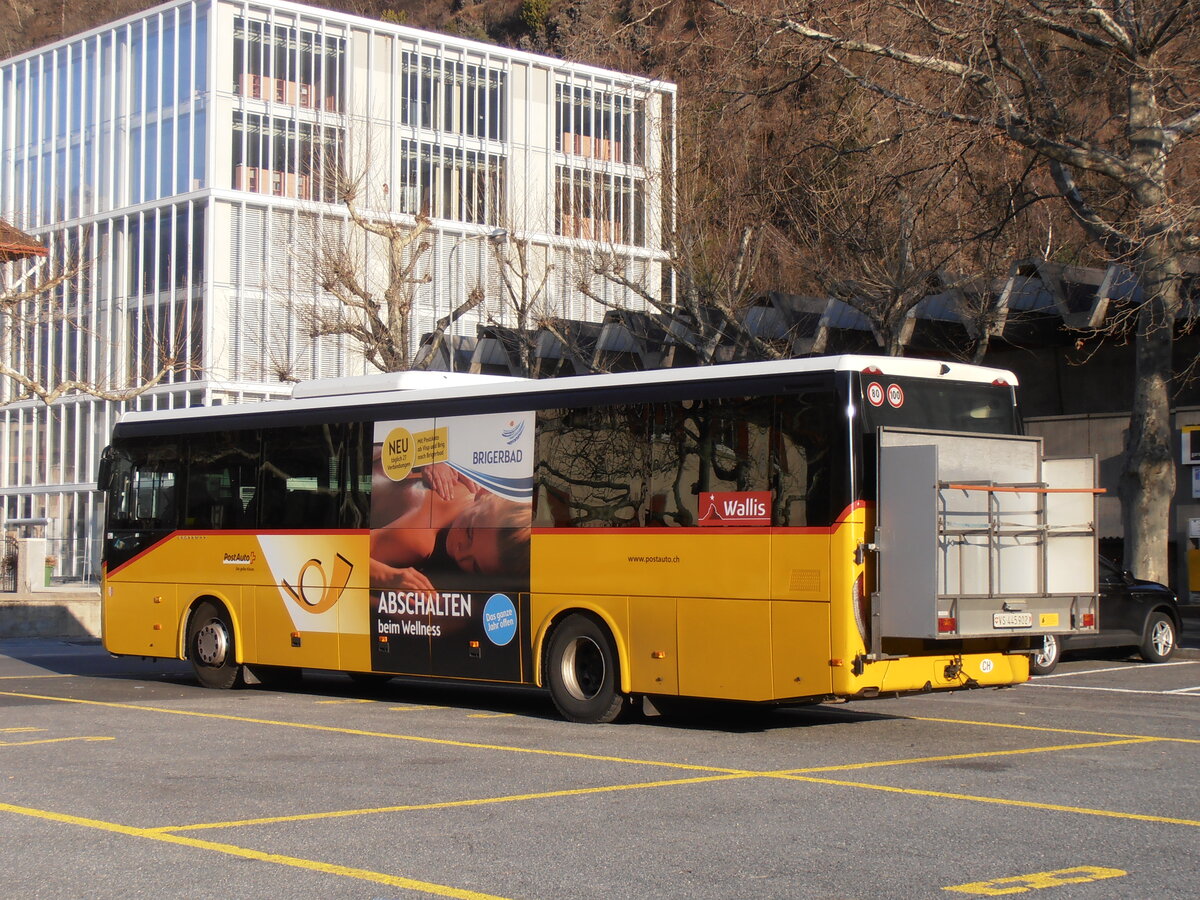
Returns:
<point x="581" y="671"/>
<point x="210" y="647"/>
<point x="1046" y="660"/>
<point x="1158" y="641"/>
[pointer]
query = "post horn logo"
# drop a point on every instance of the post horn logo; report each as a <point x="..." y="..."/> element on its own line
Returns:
<point x="328" y="592"/>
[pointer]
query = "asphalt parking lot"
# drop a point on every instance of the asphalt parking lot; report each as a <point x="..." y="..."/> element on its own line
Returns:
<point x="122" y="778"/>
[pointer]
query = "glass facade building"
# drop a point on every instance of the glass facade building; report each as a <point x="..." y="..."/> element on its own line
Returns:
<point x="191" y="159"/>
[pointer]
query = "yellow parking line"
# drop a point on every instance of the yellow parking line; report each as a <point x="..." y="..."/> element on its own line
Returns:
<point x="311" y="865"/>
<point x="1048" y="728"/>
<point x="23" y="677"/>
<point x="573" y="792"/>
<point x="454" y="804"/>
<point x="490" y="715"/>
<point x="412" y="708"/>
<point x="417" y="739"/>
<point x="1000" y="801"/>
<point x="736" y="773"/>
<point x="24" y="729"/>
<point x="845" y="767"/>
<point x="52" y="741"/>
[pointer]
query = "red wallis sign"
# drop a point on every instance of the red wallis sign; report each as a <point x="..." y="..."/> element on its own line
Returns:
<point x="735" y="508"/>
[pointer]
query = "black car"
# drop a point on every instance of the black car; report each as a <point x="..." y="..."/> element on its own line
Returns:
<point x="1133" y="613"/>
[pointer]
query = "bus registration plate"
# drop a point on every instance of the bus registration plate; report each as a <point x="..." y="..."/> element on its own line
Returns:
<point x="1012" y="620"/>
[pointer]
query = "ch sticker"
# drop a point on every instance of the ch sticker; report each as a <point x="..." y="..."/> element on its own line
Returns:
<point x="317" y="597"/>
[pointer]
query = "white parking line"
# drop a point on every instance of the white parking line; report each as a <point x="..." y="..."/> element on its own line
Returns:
<point x="1080" y="687"/>
<point x="1181" y="662"/>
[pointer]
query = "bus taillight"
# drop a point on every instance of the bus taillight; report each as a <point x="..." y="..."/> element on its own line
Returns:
<point x="1087" y="620"/>
<point x="947" y="624"/>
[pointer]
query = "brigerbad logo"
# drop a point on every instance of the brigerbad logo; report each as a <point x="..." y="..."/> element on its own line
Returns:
<point x="315" y="591"/>
<point x="512" y="433"/>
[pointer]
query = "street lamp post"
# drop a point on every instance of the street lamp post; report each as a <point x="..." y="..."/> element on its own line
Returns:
<point x="496" y="237"/>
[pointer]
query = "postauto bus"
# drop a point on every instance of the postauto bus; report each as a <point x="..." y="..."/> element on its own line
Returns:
<point x="774" y="532"/>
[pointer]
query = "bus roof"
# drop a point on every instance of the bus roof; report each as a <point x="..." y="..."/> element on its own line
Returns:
<point x="411" y="387"/>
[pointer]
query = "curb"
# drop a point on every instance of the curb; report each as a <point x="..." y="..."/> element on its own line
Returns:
<point x="51" y="614"/>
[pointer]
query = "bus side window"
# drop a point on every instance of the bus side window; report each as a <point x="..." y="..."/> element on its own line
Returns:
<point x="354" y="469"/>
<point x="699" y="446"/>
<point x="222" y="478"/>
<point x="806" y="463"/>
<point x="303" y="477"/>
<point x="591" y="467"/>
<point x="143" y="484"/>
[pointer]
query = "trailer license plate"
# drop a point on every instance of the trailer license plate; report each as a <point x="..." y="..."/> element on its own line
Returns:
<point x="1012" y="620"/>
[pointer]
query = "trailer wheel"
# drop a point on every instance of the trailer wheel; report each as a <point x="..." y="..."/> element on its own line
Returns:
<point x="210" y="647"/>
<point x="1046" y="660"/>
<point x="1158" y="642"/>
<point x="581" y="671"/>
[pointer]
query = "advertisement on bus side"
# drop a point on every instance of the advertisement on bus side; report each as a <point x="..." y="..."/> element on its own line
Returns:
<point x="451" y="516"/>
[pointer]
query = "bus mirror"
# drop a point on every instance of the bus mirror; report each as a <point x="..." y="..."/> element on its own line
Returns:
<point x="105" y="472"/>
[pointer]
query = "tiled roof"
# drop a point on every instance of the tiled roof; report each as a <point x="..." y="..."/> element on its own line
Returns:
<point x="15" y="243"/>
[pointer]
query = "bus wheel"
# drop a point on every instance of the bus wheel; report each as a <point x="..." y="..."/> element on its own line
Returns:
<point x="210" y="647"/>
<point x="581" y="671"/>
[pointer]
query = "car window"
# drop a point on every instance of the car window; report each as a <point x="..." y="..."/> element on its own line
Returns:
<point x="1110" y="574"/>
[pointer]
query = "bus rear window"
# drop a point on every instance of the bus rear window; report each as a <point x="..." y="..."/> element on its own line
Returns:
<point x="937" y="405"/>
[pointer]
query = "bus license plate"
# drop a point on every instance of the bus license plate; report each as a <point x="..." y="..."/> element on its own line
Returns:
<point x="1012" y="620"/>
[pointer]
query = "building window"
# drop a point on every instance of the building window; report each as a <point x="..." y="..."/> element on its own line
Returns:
<point x="451" y="96"/>
<point x="600" y="125"/>
<point x="594" y="206"/>
<point x="287" y="65"/>
<point x="285" y="158"/>
<point x="452" y="183"/>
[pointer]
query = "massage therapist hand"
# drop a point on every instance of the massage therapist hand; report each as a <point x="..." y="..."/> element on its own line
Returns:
<point x="442" y="480"/>
<point x="387" y="577"/>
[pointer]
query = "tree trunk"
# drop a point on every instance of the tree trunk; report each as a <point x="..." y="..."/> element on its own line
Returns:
<point x="1147" y="483"/>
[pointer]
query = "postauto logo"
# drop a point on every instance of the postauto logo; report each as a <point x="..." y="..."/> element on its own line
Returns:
<point x="316" y="591"/>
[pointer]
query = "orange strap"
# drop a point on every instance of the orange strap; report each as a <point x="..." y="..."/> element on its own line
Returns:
<point x="1022" y="490"/>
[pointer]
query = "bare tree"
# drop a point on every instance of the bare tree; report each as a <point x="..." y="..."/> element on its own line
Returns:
<point x="1106" y="95"/>
<point x="723" y="244"/>
<point x="524" y="283"/>
<point x="374" y="300"/>
<point x="887" y="213"/>
<point x="47" y="337"/>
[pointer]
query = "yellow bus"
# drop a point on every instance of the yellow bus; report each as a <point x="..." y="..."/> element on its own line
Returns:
<point x="775" y="532"/>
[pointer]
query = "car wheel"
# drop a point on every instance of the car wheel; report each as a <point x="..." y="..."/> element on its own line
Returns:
<point x="1046" y="660"/>
<point x="1158" y="641"/>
